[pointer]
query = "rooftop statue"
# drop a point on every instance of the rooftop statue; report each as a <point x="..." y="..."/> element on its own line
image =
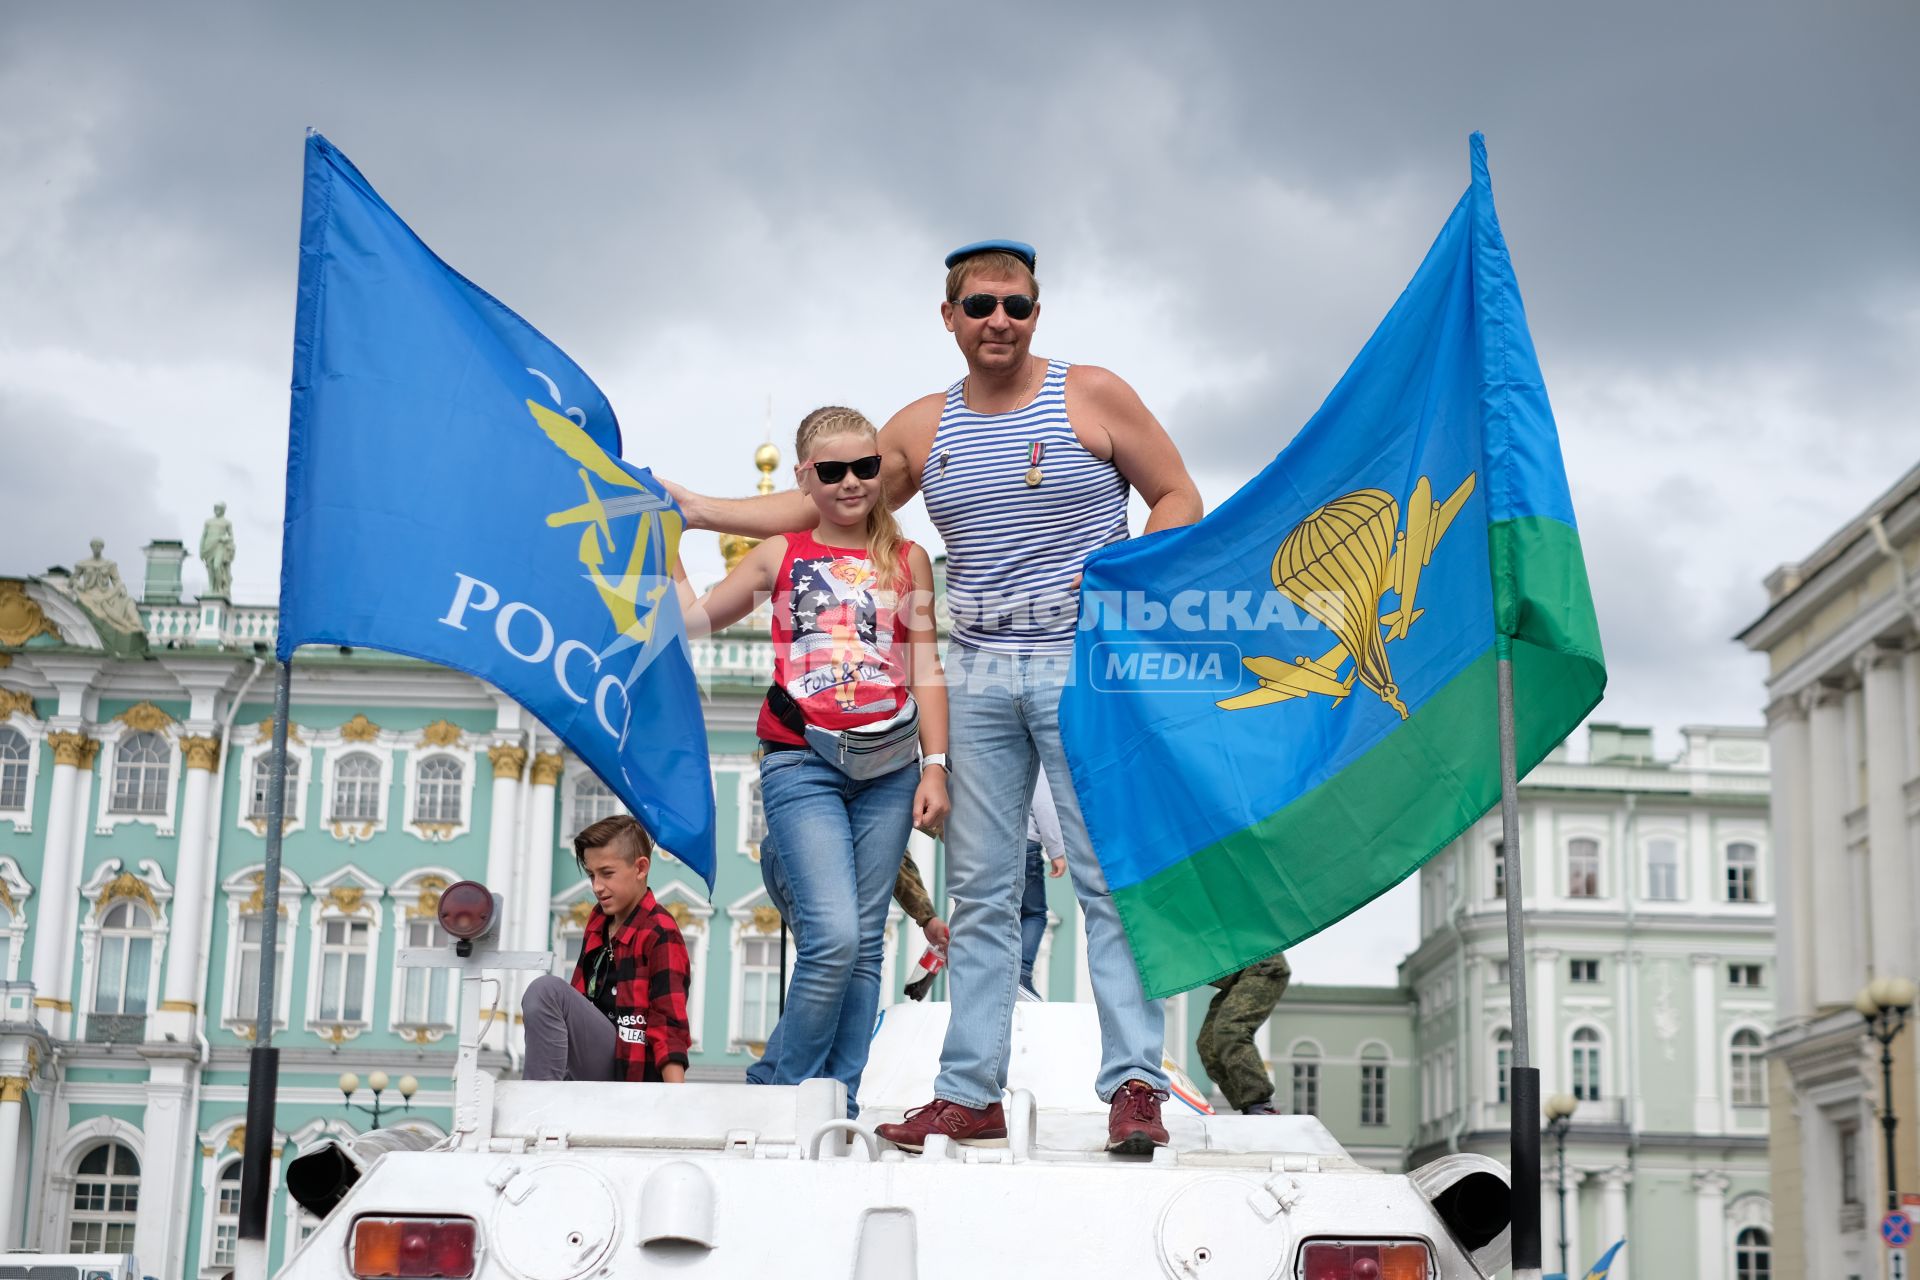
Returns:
<point x="216" y="552"/>
<point x="96" y="586"/>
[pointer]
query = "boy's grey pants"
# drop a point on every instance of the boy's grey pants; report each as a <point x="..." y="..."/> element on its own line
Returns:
<point x="568" y="1038"/>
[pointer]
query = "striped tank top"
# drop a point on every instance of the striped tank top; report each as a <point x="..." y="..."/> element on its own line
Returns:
<point x="1014" y="549"/>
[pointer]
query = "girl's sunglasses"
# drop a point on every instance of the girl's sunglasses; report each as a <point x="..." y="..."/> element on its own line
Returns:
<point x="979" y="306"/>
<point x="834" y="472"/>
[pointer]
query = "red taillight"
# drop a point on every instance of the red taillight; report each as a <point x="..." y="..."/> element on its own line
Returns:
<point x="413" y="1248"/>
<point x="1372" y="1260"/>
<point x="466" y="909"/>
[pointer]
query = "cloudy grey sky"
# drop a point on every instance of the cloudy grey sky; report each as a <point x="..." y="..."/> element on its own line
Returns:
<point x="1712" y="211"/>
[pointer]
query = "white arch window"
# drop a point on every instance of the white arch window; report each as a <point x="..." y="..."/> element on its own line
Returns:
<point x="123" y="978"/>
<point x="356" y="789"/>
<point x="106" y="1200"/>
<point x="14" y="752"/>
<point x="1502" y="1065"/>
<point x="592" y="801"/>
<point x="1663" y="869"/>
<point x="1373" y="1086"/>
<point x="1499" y="868"/>
<point x="1583" y="868"/>
<point x="437" y="793"/>
<point x="1306" y="1080"/>
<point x="226" y="1215"/>
<point x="263" y="785"/>
<point x="1746" y="1070"/>
<point x="141" y="762"/>
<point x="1743" y="872"/>
<point x="1586" y="1065"/>
<point x="1753" y="1255"/>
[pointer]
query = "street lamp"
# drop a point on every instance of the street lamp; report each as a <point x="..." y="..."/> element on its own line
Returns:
<point x="1884" y="1003"/>
<point x="377" y="1081"/>
<point x="1560" y="1108"/>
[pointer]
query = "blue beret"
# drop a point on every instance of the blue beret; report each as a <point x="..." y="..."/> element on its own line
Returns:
<point x="1018" y="248"/>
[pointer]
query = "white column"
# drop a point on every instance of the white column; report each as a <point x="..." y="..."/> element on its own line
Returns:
<point x="1550" y="1219"/>
<point x="1710" y="1226"/>
<point x="1887" y="852"/>
<point x="509" y="761"/>
<point x="1833" y="928"/>
<point x="180" y="997"/>
<point x="535" y="889"/>
<point x="1706" y="1046"/>
<point x="1613" y="1219"/>
<point x="55" y="913"/>
<point x="159" y="1229"/>
<point x="13" y="1098"/>
<point x="1543" y="1040"/>
<point x="1792" y="867"/>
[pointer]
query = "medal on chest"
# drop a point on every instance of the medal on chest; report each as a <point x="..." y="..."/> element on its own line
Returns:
<point x="1035" y="452"/>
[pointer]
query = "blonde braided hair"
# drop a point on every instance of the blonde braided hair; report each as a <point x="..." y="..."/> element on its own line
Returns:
<point x="884" y="538"/>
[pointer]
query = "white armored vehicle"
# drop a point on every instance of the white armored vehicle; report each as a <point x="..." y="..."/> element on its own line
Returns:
<point x="577" y="1181"/>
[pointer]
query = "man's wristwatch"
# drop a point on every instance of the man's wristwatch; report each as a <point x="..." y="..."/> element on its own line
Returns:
<point x="939" y="758"/>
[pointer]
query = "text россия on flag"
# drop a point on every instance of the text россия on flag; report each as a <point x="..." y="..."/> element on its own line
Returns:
<point x="455" y="493"/>
<point x="1416" y="527"/>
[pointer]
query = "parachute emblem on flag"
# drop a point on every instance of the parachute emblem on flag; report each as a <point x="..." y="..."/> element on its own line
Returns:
<point x="1339" y="564"/>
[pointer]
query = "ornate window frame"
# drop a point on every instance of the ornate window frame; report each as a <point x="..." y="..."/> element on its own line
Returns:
<point x="57" y="1201"/>
<point x="1675" y="834"/>
<point x="416" y="896"/>
<point x="1315" y="1057"/>
<point x="142" y="717"/>
<point x="1383" y="1061"/>
<point x="442" y="739"/>
<point x="111" y="884"/>
<point x="357" y="736"/>
<point x="1499" y="1076"/>
<point x="1751" y="1211"/>
<point x="1723" y="850"/>
<point x="16" y="712"/>
<point x="295" y="819"/>
<point x="694" y="914"/>
<point x="753" y="916"/>
<point x="221" y="1146"/>
<point x="245" y="895"/>
<point x="1603" y="877"/>
<point x="1603" y="1047"/>
<point x="14" y="892"/>
<point x="576" y="772"/>
<point x="1759" y="1052"/>
<point x="353" y="895"/>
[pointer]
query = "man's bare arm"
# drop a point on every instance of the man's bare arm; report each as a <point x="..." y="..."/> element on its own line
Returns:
<point x="1142" y="450"/>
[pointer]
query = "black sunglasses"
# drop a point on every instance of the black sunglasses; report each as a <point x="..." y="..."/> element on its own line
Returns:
<point x="830" y="472"/>
<point x="979" y="306"/>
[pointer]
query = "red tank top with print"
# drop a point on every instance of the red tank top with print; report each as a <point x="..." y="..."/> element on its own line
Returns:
<point x="839" y="640"/>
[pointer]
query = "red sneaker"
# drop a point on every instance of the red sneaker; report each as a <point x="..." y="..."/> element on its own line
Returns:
<point x="983" y="1128"/>
<point x="1133" y="1121"/>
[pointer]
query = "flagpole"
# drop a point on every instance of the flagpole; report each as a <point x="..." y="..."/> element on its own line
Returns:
<point x="263" y="1062"/>
<point x="1524" y="1090"/>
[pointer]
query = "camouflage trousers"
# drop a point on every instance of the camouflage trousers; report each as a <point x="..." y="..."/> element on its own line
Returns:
<point x="1244" y="1001"/>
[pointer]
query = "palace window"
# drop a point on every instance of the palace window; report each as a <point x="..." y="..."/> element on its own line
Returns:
<point x="1746" y="1072"/>
<point x="263" y="782"/>
<point x="1850" y="1167"/>
<point x="1499" y="869"/>
<point x="1373" y="1086"/>
<point x="1743" y="871"/>
<point x="759" y="987"/>
<point x="13" y="768"/>
<point x="344" y="947"/>
<point x="1753" y="1255"/>
<point x="1663" y="870"/>
<point x="1586" y="1065"/>
<point x="1502" y="1065"/>
<point x="356" y="789"/>
<point x="106" y="1198"/>
<point x="423" y="992"/>
<point x="140" y="765"/>
<point x="1744" y="975"/>
<point x="756" y="815"/>
<point x="1583" y="971"/>
<point x="1306" y="1080"/>
<point x="226" y="1215"/>
<point x="592" y="801"/>
<point x="437" y="795"/>
<point x="1583" y="868"/>
<point x="122" y="980"/>
<point x="245" y="1001"/>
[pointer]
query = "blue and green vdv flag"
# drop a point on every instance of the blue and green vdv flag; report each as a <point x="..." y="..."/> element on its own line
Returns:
<point x="1280" y="712"/>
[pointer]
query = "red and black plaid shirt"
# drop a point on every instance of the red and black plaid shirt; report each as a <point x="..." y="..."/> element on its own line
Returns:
<point x="651" y="973"/>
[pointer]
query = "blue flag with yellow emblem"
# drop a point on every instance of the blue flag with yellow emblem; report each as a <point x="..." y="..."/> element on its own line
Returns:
<point x="455" y="493"/>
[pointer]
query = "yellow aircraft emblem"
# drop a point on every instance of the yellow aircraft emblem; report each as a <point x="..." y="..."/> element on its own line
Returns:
<point x="1338" y="564"/>
<point x="658" y="532"/>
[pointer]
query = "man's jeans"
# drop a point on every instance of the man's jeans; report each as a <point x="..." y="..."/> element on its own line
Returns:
<point x="1033" y="911"/>
<point x="1005" y="715"/>
<point x="840" y="844"/>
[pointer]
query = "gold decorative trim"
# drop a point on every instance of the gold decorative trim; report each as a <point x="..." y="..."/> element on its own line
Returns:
<point x="350" y="832"/>
<point x="359" y="729"/>
<point x="68" y="748"/>
<point x="6" y="900"/>
<point x="21" y="617"/>
<point x="245" y="1031"/>
<point x="179" y="1006"/>
<point x="580" y="912"/>
<point x="202" y="753"/>
<point x="437" y="831"/>
<point x="237" y="1140"/>
<point x="766" y="920"/>
<point x="6" y="660"/>
<point x="89" y="751"/>
<point x="293" y="731"/>
<point x="144" y="717"/>
<point x="507" y="760"/>
<point x="547" y="767"/>
<point x="12" y="700"/>
<point x="428" y="907"/>
<point x="441" y="733"/>
<point x="348" y="899"/>
<point x="48" y="1002"/>
<point x="126" y="887"/>
<point x="13" y="1089"/>
<point x="206" y="1151"/>
<point x="680" y="913"/>
<point x="33" y="1061"/>
<point x="334" y="1034"/>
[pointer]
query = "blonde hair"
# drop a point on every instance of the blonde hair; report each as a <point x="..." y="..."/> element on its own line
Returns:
<point x="884" y="538"/>
<point x="992" y="263"/>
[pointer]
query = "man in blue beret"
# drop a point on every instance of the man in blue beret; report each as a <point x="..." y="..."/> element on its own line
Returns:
<point x="1025" y="465"/>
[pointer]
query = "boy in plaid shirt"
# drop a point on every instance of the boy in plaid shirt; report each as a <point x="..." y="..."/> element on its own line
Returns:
<point x="624" y="1016"/>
